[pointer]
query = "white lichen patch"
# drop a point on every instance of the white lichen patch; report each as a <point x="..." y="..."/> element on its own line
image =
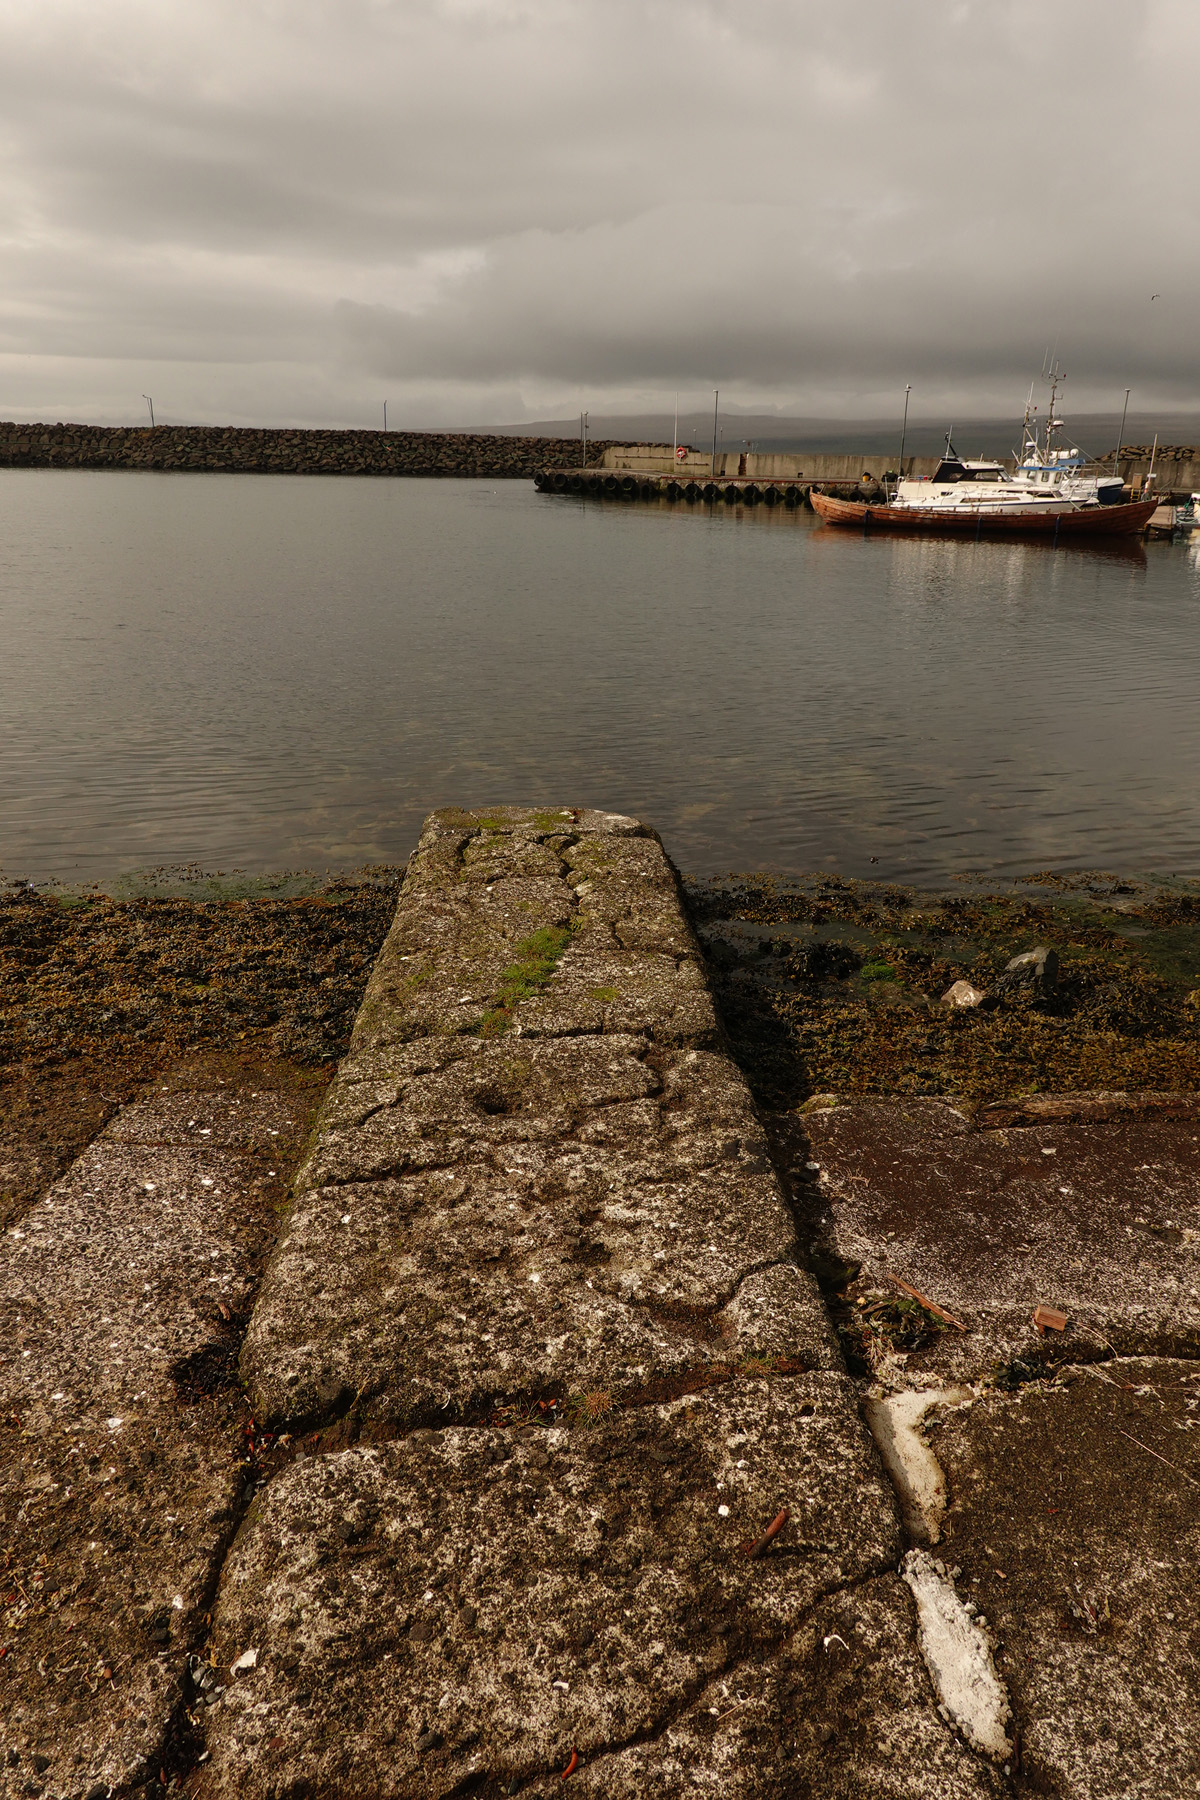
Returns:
<point x="959" y="1658"/>
<point x="915" y="1472"/>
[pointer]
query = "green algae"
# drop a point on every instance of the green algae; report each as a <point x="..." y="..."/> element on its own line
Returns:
<point x="538" y="957"/>
<point x="830" y="985"/>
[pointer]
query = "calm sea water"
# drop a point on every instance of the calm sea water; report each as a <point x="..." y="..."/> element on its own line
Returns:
<point x="260" y="673"/>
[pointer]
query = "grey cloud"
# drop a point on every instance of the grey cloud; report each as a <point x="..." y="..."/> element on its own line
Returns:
<point x="466" y="199"/>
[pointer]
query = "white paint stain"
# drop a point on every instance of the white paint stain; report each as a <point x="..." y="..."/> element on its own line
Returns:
<point x="959" y="1658"/>
<point x="915" y="1472"/>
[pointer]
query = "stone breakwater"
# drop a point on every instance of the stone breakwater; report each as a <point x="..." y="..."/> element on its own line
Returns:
<point x="215" y="449"/>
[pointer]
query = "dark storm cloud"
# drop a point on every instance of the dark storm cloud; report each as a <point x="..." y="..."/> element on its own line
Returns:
<point x="283" y="208"/>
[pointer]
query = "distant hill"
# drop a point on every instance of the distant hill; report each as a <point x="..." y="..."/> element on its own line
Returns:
<point x="1094" y="432"/>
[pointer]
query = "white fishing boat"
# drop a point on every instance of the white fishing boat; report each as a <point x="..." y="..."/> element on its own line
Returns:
<point x="1045" y="464"/>
<point x="961" y="485"/>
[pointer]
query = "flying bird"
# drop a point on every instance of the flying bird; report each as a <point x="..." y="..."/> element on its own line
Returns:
<point x="1156" y="296"/>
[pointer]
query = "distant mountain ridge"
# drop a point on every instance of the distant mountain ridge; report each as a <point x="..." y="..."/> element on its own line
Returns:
<point x="1096" y="433"/>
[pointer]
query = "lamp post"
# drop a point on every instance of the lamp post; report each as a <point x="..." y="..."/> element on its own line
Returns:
<point x="150" y="404"/>
<point x="385" y="415"/>
<point x="716" y="403"/>
<point x="583" y="425"/>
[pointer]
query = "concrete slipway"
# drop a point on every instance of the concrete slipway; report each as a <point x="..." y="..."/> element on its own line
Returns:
<point x="541" y="1469"/>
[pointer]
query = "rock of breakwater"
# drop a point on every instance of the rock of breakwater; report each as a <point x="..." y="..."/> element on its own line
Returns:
<point x="539" y="1178"/>
<point x="224" y="449"/>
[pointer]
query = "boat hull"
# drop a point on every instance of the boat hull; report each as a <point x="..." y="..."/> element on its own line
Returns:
<point x="1018" y="521"/>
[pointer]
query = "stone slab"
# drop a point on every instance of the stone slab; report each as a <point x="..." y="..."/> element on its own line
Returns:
<point x="844" y="1708"/>
<point x="481" y="884"/>
<point x="489" y="1216"/>
<point x="1073" y="1526"/>
<point x="121" y="1293"/>
<point x="471" y="1606"/>
<point x="1089" y="1206"/>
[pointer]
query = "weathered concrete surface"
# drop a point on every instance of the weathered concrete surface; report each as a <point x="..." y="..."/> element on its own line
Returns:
<point x="461" y="1611"/>
<point x="480" y="884"/>
<point x="1074" y="1524"/>
<point x="1058" y="1474"/>
<point x="538" y="1190"/>
<point x="843" y="1708"/>
<point x="537" y="1177"/>
<point x="120" y="1296"/>
<point x="1090" y="1205"/>
<point x="555" y="1210"/>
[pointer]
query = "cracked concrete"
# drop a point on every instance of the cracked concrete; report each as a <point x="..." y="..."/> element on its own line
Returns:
<point x="120" y="1291"/>
<point x="1087" y="1204"/>
<point x="556" y="1191"/>
<point x="522" y="1595"/>
<point x="538" y="1191"/>
<point x="1074" y="1523"/>
<point x="530" y="1214"/>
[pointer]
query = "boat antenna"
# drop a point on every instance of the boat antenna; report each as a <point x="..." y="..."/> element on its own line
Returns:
<point x="950" y="450"/>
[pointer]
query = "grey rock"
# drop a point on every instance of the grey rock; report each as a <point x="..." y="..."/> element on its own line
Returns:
<point x="963" y="993"/>
<point x="1036" y="969"/>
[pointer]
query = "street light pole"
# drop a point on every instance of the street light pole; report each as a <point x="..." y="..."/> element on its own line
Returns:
<point x="150" y="404"/>
<point x="385" y="415"/>
<point x="716" y="403"/>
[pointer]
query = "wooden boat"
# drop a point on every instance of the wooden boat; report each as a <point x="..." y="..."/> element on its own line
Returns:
<point x="982" y="520"/>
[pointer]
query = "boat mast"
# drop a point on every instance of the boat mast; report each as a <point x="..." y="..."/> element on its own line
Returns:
<point x="1026" y="446"/>
<point x="1121" y="436"/>
<point x="903" y="434"/>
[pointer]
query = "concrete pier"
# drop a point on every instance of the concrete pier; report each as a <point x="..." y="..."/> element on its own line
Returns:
<point x="591" y="1428"/>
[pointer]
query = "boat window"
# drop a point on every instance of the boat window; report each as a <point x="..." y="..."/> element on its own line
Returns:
<point x="986" y="475"/>
<point x="948" y="470"/>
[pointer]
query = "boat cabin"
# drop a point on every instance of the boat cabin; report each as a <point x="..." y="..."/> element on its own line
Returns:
<point x="956" y="468"/>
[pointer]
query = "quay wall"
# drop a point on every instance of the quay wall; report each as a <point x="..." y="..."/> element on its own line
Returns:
<point x="1176" y="467"/>
<point x="253" y="450"/>
<point x="659" y="459"/>
<point x="250" y="450"/>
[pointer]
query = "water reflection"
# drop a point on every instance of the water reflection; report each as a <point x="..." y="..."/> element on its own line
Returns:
<point x="286" y="671"/>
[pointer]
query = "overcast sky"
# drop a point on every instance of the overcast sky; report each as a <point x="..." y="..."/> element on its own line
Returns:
<point x="285" y="211"/>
